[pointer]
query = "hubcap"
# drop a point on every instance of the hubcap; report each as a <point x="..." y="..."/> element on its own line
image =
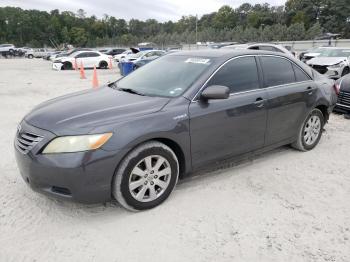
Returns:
<point x="312" y="130"/>
<point x="149" y="178"/>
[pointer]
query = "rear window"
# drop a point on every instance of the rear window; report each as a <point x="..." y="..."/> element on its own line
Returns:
<point x="300" y="75"/>
<point x="277" y="71"/>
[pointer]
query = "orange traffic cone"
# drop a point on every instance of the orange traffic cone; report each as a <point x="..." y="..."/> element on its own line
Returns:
<point x="75" y="64"/>
<point x="110" y="65"/>
<point x="95" y="79"/>
<point x="82" y="71"/>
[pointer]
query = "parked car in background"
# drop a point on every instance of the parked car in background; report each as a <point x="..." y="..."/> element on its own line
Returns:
<point x="7" y="50"/>
<point x="23" y="50"/>
<point x="37" y="52"/>
<point x="89" y="59"/>
<point x="334" y="62"/>
<point x="117" y="58"/>
<point x="143" y="57"/>
<point x="51" y="55"/>
<point x="262" y="46"/>
<point x="134" y="138"/>
<point x="343" y="103"/>
<point x="311" y="53"/>
<point x="115" y="51"/>
<point x="71" y="51"/>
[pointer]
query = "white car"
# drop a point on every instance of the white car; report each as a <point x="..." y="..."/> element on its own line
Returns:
<point x="7" y="48"/>
<point x="89" y="59"/>
<point x="37" y="52"/>
<point x="119" y="57"/>
<point x="333" y="62"/>
<point x="261" y="46"/>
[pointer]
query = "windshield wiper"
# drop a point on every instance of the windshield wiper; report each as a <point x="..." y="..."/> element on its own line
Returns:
<point x="131" y="91"/>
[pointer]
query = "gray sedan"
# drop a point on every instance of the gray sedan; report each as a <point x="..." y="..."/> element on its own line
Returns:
<point x="133" y="139"/>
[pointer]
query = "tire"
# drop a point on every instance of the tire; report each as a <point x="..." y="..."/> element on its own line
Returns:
<point x="103" y="65"/>
<point x="345" y="71"/>
<point x="30" y="56"/>
<point x="67" y="66"/>
<point x="137" y="196"/>
<point x="307" y="138"/>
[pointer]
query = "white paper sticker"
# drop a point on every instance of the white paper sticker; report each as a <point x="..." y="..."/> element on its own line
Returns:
<point x="197" y="60"/>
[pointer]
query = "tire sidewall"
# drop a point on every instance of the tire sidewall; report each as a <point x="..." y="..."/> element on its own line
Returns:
<point x="314" y="112"/>
<point x="103" y="65"/>
<point x="124" y="174"/>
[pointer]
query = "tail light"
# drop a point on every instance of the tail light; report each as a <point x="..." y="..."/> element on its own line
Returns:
<point x="336" y="88"/>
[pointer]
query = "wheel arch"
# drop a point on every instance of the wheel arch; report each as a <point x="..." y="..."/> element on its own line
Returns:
<point x="324" y="109"/>
<point x="172" y="144"/>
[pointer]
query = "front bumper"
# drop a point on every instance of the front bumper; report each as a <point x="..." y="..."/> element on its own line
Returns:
<point x="57" y="66"/>
<point x="84" y="177"/>
<point x="332" y="73"/>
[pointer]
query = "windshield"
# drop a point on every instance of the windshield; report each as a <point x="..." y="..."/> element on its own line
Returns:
<point x="335" y="53"/>
<point x="168" y="76"/>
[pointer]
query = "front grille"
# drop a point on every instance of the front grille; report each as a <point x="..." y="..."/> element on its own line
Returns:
<point x="25" y="141"/>
<point x="320" y="69"/>
<point x="344" y="98"/>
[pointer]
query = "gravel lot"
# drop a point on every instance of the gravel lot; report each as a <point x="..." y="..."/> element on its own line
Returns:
<point x="282" y="206"/>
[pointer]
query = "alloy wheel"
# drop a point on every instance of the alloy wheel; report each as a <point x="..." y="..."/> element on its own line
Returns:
<point x="149" y="178"/>
<point x="312" y="130"/>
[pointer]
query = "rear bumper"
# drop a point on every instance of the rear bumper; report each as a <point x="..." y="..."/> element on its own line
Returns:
<point x="84" y="177"/>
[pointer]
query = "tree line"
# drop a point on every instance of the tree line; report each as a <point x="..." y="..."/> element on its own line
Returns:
<point x="296" y="20"/>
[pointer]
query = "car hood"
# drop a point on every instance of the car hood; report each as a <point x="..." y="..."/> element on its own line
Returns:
<point x="312" y="54"/>
<point x="326" y="61"/>
<point x="81" y="112"/>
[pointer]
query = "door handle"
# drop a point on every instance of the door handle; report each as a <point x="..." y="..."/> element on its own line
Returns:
<point x="310" y="90"/>
<point x="259" y="102"/>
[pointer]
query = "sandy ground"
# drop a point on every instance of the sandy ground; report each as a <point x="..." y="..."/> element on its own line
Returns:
<point x="282" y="206"/>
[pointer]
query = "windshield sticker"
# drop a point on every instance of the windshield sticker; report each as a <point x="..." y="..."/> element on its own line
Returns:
<point x="198" y="61"/>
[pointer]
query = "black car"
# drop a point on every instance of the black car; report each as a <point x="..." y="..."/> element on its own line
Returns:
<point x="343" y="103"/>
<point x="115" y="51"/>
<point x="133" y="139"/>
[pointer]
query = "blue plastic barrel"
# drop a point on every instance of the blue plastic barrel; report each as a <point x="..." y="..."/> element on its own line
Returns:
<point x="126" y="68"/>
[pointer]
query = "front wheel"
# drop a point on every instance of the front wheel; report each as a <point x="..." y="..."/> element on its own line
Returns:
<point x="146" y="176"/>
<point x="310" y="132"/>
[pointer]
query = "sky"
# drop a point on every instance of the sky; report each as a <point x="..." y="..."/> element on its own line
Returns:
<point x="162" y="10"/>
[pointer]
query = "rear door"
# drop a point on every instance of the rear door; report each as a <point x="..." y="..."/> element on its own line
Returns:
<point x="228" y="127"/>
<point x="291" y="95"/>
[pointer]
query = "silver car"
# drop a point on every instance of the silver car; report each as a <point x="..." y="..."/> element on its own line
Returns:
<point x="334" y="62"/>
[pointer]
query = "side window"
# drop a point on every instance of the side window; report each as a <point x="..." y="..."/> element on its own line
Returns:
<point x="91" y="54"/>
<point x="277" y="71"/>
<point x="239" y="75"/>
<point x="300" y="74"/>
<point x="81" y="55"/>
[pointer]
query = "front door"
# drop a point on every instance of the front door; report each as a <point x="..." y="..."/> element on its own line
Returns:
<point x="229" y="127"/>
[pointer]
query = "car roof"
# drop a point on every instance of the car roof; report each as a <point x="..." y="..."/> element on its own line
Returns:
<point x="224" y="54"/>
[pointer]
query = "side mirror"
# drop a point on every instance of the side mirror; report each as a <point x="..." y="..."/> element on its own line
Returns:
<point x="216" y="92"/>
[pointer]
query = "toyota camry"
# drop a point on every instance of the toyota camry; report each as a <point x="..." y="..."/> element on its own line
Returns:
<point x="132" y="139"/>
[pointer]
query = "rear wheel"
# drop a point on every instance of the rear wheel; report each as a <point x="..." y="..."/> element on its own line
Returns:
<point x="30" y="56"/>
<point x="310" y="132"/>
<point x="146" y="177"/>
<point x="103" y="65"/>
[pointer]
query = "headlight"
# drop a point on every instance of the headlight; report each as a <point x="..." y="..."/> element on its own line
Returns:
<point x="339" y="65"/>
<point x="69" y="144"/>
